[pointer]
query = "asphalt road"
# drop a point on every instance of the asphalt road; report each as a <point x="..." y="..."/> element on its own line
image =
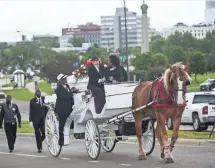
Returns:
<point x="124" y="155"/>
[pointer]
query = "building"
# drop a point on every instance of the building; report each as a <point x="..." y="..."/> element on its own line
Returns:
<point x="198" y="31"/>
<point x="209" y="13"/>
<point x="90" y="32"/>
<point x="45" y="38"/>
<point x="113" y="30"/>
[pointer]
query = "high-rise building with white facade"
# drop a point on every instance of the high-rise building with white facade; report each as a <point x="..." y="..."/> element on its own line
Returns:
<point x="198" y="31"/>
<point x="113" y="30"/>
<point x="209" y="11"/>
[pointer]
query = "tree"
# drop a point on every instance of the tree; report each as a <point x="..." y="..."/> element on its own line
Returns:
<point x="77" y="41"/>
<point x="135" y="51"/>
<point x="60" y="64"/>
<point x="197" y="63"/>
<point x="177" y="55"/>
<point x="176" y="39"/>
<point x="158" y="45"/>
<point x="188" y="41"/>
<point x="159" y="60"/>
<point x="101" y="52"/>
<point x="143" y="61"/>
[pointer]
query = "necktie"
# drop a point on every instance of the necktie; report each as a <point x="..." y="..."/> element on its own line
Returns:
<point x="39" y="101"/>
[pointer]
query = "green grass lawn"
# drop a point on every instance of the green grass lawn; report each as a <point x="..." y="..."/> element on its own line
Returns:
<point x="194" y="87"/>
<point x="193" y="135"/>
<point x="45" y="87"/>
<point x="20" y="94"/>
<point x="12" y="84"/>
<point x="25" y="128"/>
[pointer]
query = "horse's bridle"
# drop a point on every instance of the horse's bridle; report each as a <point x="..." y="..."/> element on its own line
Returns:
<point x="174" y="91"/>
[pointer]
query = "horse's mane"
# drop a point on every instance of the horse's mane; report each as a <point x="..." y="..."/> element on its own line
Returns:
<point x="167" y="75"/>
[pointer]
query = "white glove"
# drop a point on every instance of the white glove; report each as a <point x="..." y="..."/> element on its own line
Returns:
<point x="101" y="80"/>
<point x="111" y="78"/>
<point x="31" y="125"/>
<point x="114" y="81"/>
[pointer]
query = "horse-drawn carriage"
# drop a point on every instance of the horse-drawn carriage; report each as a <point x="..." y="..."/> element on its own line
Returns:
<point x="98" y="129"/>
<point x="160" y="100"/>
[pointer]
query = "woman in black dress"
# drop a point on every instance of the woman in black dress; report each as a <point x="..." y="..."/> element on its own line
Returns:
<point x="116" y="73"/>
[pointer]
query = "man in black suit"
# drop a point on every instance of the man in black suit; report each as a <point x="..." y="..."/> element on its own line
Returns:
<point x="64" y="103"/>
<point x="96" y="83"/>
<point x="37" y="118"/>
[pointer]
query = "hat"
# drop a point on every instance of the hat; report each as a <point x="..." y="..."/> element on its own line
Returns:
<point x="61" y="76"/>
<point x="95" y="58"/>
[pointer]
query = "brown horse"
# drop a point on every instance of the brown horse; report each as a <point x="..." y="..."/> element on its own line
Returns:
<point x="168" y="94"/>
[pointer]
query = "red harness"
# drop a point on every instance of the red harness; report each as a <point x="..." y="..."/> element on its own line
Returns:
<point x="162" y="100"/>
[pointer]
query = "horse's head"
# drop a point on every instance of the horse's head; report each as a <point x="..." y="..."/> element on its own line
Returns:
<point x="178" y="79"/>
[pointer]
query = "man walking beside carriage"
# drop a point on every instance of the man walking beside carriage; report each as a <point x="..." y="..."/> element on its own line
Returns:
<point x="64" y="104"/>
<point x="10" y="114"/>
<point x="37" y="118"/>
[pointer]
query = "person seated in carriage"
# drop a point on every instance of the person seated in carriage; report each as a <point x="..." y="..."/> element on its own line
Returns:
<point x="64" y="103"/>
<point x="96" y="74"/>
<point x="116" y="72"/>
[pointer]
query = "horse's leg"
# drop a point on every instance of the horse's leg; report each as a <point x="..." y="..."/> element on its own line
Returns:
<point x="176" y="126"/>
<point x="164" y="138"/>
<point x="158" y="134"/>
<point x="138" y="127"/>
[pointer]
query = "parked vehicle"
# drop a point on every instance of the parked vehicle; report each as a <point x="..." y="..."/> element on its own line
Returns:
<point x="199" y="112"/>
<point x="207" y="85"/>
<point x="2" y="99"/>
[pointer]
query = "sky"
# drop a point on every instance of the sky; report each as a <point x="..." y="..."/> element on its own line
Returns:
<point x="49" y="16"/>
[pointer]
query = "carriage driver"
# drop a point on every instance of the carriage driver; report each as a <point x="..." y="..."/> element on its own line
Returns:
<point x="64" y="103"/>
<point x="96" y="83"/>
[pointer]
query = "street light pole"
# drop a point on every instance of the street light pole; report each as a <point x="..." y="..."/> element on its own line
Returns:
<point x="126" y="41"/>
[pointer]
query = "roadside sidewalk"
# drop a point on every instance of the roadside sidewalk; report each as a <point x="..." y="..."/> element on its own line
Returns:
<point x="31" y="87"/>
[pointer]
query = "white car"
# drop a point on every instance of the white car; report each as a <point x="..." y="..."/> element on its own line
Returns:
<point x="199" y="112"/>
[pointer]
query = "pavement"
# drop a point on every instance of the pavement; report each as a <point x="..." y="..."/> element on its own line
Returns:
<point x="124" y="155"/>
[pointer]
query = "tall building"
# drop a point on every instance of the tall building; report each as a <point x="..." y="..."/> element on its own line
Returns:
<point x="209" y="11"/>
<point x="113" y="30"/>
<point x="198" y="31"/>
<point x="89" y="31"/>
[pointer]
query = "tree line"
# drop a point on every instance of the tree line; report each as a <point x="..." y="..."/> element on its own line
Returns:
<point x="197" y="54"/>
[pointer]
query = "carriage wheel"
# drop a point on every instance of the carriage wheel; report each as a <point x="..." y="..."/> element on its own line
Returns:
<point x="108" y="141"/>
<point x="149" y="138"/>
<point x="92" y="139"/>
<point x="52" y="134"/>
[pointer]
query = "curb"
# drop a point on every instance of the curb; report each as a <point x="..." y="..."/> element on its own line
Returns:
<point x="197" y="142"/>
<point x="180" y="141"/>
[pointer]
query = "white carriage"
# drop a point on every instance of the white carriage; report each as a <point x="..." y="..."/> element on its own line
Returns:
<point x="98" y="129"/>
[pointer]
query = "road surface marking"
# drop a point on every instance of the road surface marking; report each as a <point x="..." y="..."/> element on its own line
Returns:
<point x="19" y="154"/>
<point x="125" y="165"/>
<point x="65" y="158"/>
<point x="94" y="161"/>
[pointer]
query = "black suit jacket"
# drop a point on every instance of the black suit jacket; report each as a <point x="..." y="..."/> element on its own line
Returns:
<point x="94" y="76"/>
<point x="37" y="112"/>
<point x="65" y="100"/>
